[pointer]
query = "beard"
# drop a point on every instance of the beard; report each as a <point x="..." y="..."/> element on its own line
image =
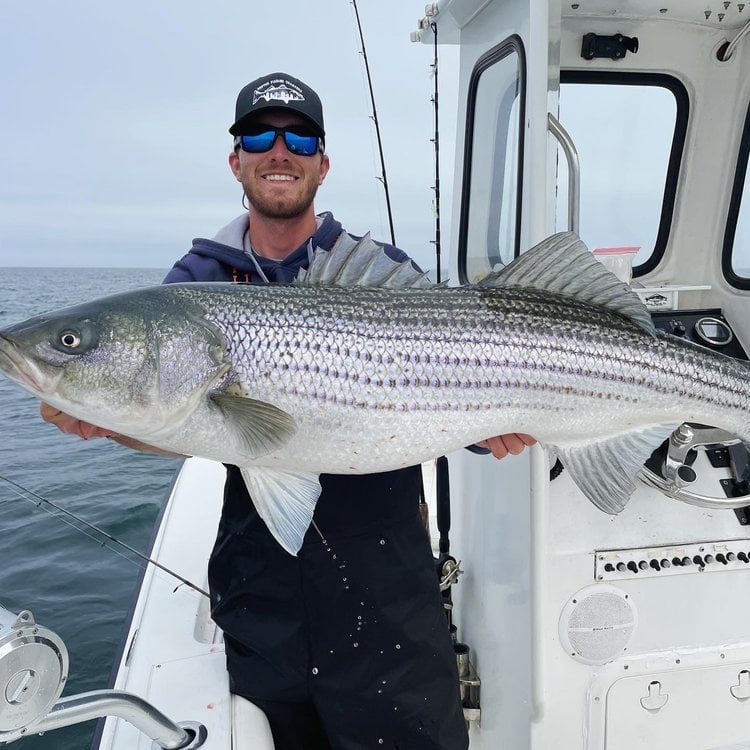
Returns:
<point x="287" y="207"/>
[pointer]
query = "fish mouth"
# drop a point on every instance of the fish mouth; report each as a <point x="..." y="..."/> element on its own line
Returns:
<point x="24" y="371"/>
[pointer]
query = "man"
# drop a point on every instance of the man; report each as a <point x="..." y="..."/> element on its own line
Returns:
<point x="347" y="644"/>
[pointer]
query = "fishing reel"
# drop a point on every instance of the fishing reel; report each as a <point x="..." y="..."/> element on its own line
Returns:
<point x="33" y="671"/>
<point x="702" y="466"/>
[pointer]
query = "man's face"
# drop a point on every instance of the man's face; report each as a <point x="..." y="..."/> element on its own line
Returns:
<point x="278" y="183"/>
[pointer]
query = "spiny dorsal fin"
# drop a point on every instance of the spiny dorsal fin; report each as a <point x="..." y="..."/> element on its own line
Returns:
<point x="363" y="262"/>
<point x="563" y="264"/>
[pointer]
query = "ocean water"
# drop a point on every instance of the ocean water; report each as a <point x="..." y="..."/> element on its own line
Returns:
<point x="72" y="584"/>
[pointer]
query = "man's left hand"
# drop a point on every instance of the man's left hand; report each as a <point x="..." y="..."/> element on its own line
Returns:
<point x="513" y="443"/>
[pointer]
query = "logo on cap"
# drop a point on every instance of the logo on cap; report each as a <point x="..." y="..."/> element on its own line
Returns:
<point x="278" y="91"/>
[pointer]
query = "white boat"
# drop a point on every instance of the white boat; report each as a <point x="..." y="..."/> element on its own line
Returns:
<point x="173" y="654"/>
<point x="628" y="122"/>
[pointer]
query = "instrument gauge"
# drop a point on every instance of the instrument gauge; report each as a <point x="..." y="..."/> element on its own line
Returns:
<point x="713" y="331"/>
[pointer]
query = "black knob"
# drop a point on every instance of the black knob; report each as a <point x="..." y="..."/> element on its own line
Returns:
<point x="686" y="473"/>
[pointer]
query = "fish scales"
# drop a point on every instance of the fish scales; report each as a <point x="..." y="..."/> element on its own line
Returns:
<point x="454" y="349"/>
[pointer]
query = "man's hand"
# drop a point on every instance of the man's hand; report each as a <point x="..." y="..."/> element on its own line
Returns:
<point x="502" y="445"/>
<point x="73" y="426"/>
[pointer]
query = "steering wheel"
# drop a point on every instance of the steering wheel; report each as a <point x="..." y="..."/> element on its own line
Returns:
<point x="670" y="468"/>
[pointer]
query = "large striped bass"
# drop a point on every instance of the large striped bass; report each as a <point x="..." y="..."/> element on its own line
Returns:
<point x="362" y="366"/>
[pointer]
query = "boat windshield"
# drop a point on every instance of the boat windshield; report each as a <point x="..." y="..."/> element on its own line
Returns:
<point x="737" y="239"/>
<point x="629" y="137"/>
<point x="629" y="132"/>
<point x="490" y="206"/>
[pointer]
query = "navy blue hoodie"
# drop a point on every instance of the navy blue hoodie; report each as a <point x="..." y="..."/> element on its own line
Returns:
<point x="223" y="257"/>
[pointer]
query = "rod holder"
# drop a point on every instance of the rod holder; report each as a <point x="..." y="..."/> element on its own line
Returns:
<point x="469" y="683"/>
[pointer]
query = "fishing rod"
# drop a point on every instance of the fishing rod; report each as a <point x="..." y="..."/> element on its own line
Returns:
<point x="436" y="142"/>
<point x="66" y="516"/>
<point x="383" y="178"/>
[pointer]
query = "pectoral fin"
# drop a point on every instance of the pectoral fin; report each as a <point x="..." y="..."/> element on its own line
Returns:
<point x="606" y="472"/>
<point x="260" y="427"/>
<point x="285" y="500"/>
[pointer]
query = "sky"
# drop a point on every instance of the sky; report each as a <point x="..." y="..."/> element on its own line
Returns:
<point x="116" y="113"/>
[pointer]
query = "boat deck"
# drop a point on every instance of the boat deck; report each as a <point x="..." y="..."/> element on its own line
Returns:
<point x="179" y="667"/>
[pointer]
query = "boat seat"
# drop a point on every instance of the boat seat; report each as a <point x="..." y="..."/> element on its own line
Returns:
<point x="250" y="730"/>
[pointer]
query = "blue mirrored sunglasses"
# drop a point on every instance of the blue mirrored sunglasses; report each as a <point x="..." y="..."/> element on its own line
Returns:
<point x="301" y="144"/>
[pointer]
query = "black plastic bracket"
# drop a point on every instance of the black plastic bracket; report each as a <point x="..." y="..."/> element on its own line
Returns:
<point x="614" y="47"/>
<point x="743" y="514"/>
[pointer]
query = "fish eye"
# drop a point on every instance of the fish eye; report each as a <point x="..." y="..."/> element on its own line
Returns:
<point x="74" y="337"/>
<point x="70" y="339"/>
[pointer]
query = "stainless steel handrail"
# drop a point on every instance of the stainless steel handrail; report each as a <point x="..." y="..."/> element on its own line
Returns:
<point x="574" y="171"/>
<point x="142" y="715"/>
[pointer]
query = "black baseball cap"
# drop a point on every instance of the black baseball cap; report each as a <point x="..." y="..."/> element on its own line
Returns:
<point x="280" y="92"/>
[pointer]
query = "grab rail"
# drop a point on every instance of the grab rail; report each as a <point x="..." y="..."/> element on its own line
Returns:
<point x="574" y="171"/>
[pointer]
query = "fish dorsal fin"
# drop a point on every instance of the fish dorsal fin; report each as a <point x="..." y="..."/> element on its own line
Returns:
<point x="363" y="262"/>
<point x="564" y="265"/>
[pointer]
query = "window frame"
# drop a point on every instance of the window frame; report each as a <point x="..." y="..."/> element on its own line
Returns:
<point x="733" y="212"/>
<point x="513" y="44"/>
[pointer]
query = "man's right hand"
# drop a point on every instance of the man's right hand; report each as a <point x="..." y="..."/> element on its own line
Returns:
<point x="71" y="425"/>
<point x="74" y="426"/>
